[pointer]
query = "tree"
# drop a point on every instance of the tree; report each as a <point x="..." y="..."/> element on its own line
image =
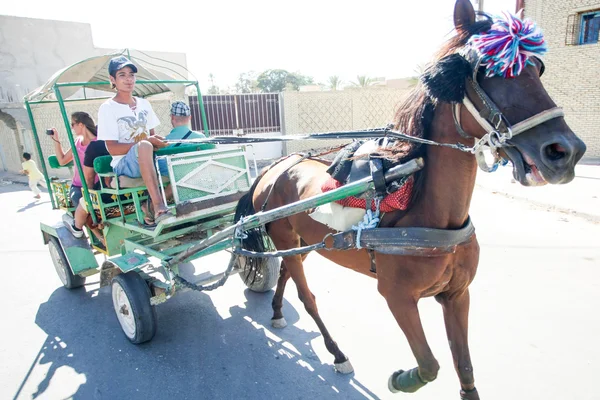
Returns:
<point x="212" y="89"/>
<point x="277" y="80"/>
<point x="334" y="82"/>
<point x="246" y="83"/>
<point x="363" y="81"/>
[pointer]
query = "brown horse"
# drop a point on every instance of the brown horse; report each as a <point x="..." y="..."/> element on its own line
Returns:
<point x="545" y="152"/>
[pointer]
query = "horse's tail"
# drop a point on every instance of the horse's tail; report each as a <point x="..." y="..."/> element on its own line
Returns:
<point x="256" y="238"/>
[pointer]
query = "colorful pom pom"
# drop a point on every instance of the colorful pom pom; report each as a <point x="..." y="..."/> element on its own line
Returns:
<point x="507" y="46"/>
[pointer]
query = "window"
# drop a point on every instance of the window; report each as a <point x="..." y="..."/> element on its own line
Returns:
<point x="590" y="27"/>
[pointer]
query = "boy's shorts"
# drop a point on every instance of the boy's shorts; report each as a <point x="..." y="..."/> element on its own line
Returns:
<point x="129" y="165"/>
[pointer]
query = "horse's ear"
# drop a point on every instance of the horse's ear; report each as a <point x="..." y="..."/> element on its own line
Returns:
<point x="446" y="79"/>
<point x="464" y="15"/>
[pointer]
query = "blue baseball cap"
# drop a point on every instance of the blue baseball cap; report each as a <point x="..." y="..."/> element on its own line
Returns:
<point x="120" y="62"/>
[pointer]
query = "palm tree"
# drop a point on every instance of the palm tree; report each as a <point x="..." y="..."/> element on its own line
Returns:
<point x="363" y="81"/>
<point x="334" y="82"/>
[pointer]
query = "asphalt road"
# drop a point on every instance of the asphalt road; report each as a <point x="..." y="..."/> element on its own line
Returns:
<point x="533" y="334"/>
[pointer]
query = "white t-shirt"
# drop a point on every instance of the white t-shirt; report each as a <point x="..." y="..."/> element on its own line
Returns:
<point x="119" y="122"/>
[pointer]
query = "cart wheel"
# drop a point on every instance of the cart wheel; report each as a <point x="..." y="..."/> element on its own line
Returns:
<point x="131" y="301"/>
<point x="266" y="275"/>
<point x="61" y="264"/>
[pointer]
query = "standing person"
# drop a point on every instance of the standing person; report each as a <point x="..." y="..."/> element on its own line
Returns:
<point x="85" y="130"/>
<point x="35" y="175"/>
<point x="126" y="123"/>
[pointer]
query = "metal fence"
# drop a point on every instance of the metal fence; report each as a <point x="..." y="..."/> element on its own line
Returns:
<point x="238" y="114"/>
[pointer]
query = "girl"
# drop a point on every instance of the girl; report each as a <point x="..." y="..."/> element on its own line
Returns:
<point x="84" y="127"/>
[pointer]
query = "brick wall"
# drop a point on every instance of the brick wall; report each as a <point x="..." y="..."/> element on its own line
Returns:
<point x="572" y="71"/>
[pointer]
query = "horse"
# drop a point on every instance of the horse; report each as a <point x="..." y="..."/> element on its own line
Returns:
<point x="458" y="100"/>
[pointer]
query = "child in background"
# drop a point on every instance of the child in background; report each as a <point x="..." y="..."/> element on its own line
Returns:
<point x="35" y="176"/>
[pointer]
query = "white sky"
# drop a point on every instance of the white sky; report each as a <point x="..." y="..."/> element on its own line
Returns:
<point x="320" y="38"/>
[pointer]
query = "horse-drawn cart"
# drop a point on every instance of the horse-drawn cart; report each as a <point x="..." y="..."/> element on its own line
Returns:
<point x="474" y="97"/>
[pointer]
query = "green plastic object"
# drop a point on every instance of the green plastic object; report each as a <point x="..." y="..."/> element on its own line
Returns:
<point x="53" y="163"/>
<point x="102" y="165"/>
<point x="130" y="261"/>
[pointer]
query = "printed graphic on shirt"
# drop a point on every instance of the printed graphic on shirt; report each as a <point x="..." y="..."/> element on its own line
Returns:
<point x="134" y="128"/>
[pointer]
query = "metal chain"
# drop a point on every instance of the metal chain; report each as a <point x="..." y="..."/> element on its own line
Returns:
<point x="282" y="253"/>
<point x="199" y="288"/>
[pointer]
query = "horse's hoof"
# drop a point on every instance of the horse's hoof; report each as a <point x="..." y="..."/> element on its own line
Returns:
<point x="405" y="381"/>
<point x="344" y="368"/>
<point x="393" y="377"/>
<point x="279" y="323"/>
<point x="469" y="394"/>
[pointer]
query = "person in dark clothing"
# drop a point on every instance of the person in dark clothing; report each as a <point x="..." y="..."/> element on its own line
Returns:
<point x="94" y="150"/>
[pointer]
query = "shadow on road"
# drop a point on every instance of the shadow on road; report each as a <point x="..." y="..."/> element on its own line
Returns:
<point x="32" y="204"/>
<point x="196" y="353"/>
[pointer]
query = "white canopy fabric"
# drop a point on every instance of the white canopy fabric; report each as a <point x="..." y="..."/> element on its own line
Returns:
<point x="95" y="69"/>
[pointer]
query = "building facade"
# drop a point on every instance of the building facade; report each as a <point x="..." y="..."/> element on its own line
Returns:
<point x="31" y="51"/>
<point x="572" y="75"/>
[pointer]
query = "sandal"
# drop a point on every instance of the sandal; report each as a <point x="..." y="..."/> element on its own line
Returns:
<point x="162" y="216"/>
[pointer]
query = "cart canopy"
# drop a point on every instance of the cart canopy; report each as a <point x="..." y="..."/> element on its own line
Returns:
<point x="95" y="69"/>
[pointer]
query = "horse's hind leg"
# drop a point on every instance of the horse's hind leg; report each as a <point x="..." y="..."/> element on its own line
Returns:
<point x="456" y="317"/>
<point x="278" y="321"/>
<point x="296" y="269"/>
<point x="287" y="239"/>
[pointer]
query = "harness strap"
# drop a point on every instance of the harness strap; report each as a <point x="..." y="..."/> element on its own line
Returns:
<point x="457" y="124"/>
<point x="540" y="118"/>
<point x="376" y="165"/>
<point x="184" y="137"/>
<point x="423" y="242"/>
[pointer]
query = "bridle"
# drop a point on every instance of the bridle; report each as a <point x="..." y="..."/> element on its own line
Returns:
<point x="498" y="130"/>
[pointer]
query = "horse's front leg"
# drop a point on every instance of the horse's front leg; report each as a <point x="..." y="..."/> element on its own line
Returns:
<point x="456" y="317"/>
<point x="404" y="308"/>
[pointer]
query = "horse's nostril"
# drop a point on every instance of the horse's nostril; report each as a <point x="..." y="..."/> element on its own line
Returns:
<point x="555" y="151"/>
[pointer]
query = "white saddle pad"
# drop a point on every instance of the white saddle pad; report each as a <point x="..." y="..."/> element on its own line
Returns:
<point x="337" y="216"/>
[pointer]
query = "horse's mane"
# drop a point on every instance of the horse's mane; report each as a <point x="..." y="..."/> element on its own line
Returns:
<point x="415" y="113"/>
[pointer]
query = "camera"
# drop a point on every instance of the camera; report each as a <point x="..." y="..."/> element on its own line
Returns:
<point x="49" y="132"/>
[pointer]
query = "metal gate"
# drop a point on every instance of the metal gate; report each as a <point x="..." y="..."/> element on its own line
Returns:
<point x="238" y="114"/>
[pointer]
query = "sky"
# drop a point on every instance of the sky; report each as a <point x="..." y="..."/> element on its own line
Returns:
<point x="319" y="38"/>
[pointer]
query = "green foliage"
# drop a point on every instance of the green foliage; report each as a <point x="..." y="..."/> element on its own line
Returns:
<point x="246" y="83"/>
<point x="212" y="89"/>
<point x="363" y="81"/>
<point x="334" y="82"/>
<point x="278" y="80"/>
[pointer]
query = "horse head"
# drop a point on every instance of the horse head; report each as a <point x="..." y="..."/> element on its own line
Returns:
<point x="490" y="74"/>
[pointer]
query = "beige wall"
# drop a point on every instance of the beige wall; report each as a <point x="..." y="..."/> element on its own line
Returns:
<point x="572" y="74"/>
<point x="350" y="109"/>
<point x="31" y="51"/>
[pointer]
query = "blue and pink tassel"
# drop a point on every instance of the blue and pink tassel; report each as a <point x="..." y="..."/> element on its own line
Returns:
<point x="507" y="46"/>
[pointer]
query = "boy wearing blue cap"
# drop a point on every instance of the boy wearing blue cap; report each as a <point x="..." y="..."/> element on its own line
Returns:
<point x="126" y="123"/>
